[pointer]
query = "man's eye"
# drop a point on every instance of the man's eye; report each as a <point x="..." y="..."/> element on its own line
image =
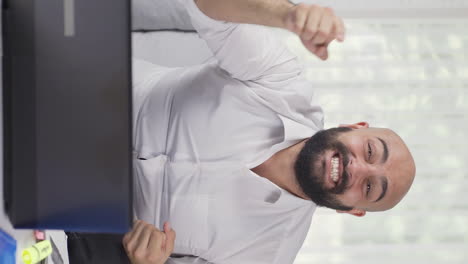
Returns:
<point x="369" y="151"/>
<point x="368" y="188"/>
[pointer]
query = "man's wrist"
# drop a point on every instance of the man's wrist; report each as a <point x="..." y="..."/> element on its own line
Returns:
<point x="284" y="8"/>
<point x="271" y="13"/>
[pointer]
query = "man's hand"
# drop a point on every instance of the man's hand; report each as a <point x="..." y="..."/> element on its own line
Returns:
<point x="145" y="244"/>
<point x="316" y="26"/>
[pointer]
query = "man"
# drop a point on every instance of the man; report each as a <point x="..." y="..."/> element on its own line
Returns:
<point x="232" y="153"/>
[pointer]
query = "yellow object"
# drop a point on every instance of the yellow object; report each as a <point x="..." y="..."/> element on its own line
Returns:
<point x="37" y="252"/>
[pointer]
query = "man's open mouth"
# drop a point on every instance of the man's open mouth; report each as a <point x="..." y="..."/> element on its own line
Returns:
<point x="335" y="171"/>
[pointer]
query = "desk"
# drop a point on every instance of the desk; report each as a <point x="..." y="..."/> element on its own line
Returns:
<point x="25" y="238"/>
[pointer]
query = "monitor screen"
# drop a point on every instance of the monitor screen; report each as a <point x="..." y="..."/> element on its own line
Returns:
<point x="67" y="114"/>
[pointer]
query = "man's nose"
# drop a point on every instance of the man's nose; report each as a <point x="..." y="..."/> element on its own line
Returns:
<point x="358" y="169"/>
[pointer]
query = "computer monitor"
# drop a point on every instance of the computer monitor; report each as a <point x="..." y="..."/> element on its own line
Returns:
<point x="67" y="104"/>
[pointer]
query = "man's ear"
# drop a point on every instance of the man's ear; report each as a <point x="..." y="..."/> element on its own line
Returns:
<point x="356" y="125"/>
<point x="355" y="212"/>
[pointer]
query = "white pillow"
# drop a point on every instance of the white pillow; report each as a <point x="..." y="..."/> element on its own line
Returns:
<point x="159" y="15"/>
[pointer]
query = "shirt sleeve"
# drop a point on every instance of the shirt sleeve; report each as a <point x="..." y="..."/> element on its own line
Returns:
<point x="187" y="260"/>
<point x="247" y="52"/>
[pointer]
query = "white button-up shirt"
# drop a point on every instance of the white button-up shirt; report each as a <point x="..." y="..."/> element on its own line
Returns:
<point x="198" y="132"/>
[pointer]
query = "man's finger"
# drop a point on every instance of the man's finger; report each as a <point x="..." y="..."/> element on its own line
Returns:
<point x="166" y="228"/>
<point x="126" y="238"/>
<point x="299" y="18"/>
<point x="340" y="29"/>
<point x="322" y="52"/>
<point x="337" y="33"/>
<point x="325" y="27"/>
<point x="170" y="239"/>
<point x="311" y="25"/>
<point x="309" y="45"/>
<point x="134" y="235"/>
<point x="155" y="243"/>
<point x="144" y="238"/>
<point x="331" y="37"/>
<point x="137" y="227"/>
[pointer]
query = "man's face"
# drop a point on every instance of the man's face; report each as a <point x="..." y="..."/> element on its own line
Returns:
<point x="355" y="167"/>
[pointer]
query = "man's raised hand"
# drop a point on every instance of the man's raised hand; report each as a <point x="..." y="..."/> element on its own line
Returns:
<point x="316" y="26"/>
<point x="145" y="244"/>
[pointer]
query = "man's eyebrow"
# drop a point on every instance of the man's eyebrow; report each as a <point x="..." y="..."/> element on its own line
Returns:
<point x="384" y="182"/>
<point x="385" y="151"/>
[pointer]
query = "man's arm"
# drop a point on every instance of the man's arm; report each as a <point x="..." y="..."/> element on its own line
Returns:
<point x="261" y="12"/>
<point x="316" y="26"/>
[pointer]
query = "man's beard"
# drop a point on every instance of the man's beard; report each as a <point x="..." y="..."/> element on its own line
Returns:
<point x="310" y="168"/>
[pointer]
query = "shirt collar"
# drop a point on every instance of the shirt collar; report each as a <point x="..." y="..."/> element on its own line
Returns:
<point x="294" y="131"/>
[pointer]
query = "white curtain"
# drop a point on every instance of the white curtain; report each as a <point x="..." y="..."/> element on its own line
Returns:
<point x="410" y="75"/>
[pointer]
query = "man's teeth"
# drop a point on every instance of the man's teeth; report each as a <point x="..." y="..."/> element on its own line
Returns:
<point x="335" y="164"/>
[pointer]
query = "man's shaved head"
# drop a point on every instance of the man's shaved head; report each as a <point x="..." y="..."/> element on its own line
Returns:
<point x="355" y="168"/>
